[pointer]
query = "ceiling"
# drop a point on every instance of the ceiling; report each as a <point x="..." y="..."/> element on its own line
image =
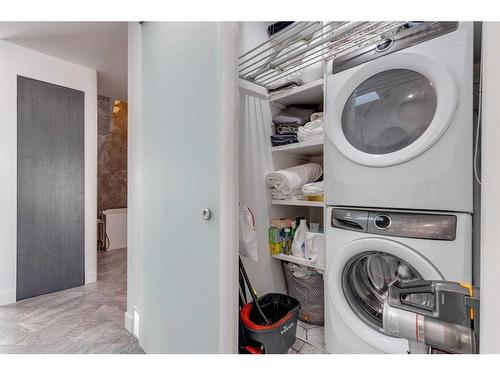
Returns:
<point x="101" y="46"/>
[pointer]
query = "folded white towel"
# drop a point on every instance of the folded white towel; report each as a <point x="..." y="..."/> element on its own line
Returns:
<point x="311" y="130"/>
<point x="315" y="188"/>
<point x="278" y="194"/>
<point x="292" y="179"/>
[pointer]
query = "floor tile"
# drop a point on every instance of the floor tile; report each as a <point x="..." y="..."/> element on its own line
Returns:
<point x="316" y="337"/>
<point x="301" y="332"/>
<point x="298" y="344"/>
<point x="309" y="349"/>
<point x="87" y="319"/>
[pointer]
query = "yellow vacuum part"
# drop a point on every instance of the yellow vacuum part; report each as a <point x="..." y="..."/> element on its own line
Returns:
<point x="470" y="289"/>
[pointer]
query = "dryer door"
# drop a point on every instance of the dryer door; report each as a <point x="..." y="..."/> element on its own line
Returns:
<point x="358" y="277"/>
<point x="391" y="109"/>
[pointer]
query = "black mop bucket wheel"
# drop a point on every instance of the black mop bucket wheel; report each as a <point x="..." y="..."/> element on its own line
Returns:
<point x="282" y="312"/>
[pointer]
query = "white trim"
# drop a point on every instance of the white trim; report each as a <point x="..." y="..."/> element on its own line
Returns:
<point x="229" y="189"/>
<point x="252" y="87"/>
<point x="134" y="187"/>
<point x="490" y="191"/>
<point x="90" y="277"/>
<point x="16" y="60"/>
<point x="129" y="321"/>
<point x="132" y="322"/>
<point x="7" y="296"/>
<point x="447" y="98"/>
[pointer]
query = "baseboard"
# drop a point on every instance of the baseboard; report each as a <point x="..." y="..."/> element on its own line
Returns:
<point x="132" y="322"/>
<point x="7" y="297"/>
<point x="129" y="322"/>
<point x="90" y="277"/>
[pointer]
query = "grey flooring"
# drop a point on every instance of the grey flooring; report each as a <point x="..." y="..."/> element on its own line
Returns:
<point x="310" y="339"/>
<point x="87" y="319"/>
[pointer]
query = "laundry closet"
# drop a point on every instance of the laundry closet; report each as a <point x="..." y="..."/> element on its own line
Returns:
<point x="364" y="132"/>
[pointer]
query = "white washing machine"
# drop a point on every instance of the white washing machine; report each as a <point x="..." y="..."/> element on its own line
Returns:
<point x="367" y="250"/>
<point x="399" y="121"/>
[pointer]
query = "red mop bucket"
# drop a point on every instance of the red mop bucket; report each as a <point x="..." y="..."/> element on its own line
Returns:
<point x="282" y="312"/>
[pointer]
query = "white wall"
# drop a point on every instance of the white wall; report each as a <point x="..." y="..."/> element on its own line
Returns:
<point x="134" y="189"/>
<point x="490" y="191"/>
<point x="14" y="61"/>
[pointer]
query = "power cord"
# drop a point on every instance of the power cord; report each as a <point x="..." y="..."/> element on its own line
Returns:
<point x="478" y="127"/>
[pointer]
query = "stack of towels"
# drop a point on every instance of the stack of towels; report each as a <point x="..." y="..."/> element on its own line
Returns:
<point x="297" y="124"/>
<point x="313" y="129"/>
<point x="287" y="183"/>
<point x="287" y="124"/>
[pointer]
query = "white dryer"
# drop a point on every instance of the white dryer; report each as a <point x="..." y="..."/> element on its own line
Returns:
<point x="367" y="250"/>
<point x="399" y="121"/>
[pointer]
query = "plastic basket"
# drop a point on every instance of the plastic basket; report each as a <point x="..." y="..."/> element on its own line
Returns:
<point x="307" y="286"/>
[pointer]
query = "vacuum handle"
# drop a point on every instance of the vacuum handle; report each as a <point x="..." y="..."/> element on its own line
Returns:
<point x="398" y="291"/>
<point x="413" y="287"/>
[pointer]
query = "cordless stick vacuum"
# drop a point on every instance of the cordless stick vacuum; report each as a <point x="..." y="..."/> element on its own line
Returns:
<point x="434" y="316"/>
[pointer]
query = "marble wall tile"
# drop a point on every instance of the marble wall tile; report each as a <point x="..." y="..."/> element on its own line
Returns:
<point x="112" y="153"/>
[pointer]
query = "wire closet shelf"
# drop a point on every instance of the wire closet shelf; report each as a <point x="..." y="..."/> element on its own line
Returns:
<point x="304" y="44"/>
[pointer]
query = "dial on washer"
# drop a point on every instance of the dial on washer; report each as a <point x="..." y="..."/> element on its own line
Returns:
<point x="382" y="221"/>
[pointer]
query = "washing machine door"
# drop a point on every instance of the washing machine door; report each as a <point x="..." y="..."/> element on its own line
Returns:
<point x="358" y="278"/>
<point x="391" y="109"/>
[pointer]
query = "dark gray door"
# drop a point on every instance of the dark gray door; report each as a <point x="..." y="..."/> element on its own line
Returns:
<point x="50" y="188"/>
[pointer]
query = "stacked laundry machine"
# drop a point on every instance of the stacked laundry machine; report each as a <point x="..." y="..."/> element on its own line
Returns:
<point x="398" y="176"/>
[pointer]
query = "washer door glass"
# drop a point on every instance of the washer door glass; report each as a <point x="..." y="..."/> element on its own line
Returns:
<point x="365" y="282"/>
<point x="389" y="111"/>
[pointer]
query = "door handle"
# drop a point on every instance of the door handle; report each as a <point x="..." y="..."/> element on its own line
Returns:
<point x="206" y="214"/>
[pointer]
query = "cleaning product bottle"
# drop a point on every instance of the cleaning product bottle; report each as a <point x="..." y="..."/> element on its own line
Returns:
<point x="299" y="238"/>
<point x="288" y="239"/>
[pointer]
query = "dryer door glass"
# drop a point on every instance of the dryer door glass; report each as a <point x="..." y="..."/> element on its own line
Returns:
<point x="389" y="111"/>
<point x="365" y="282"/>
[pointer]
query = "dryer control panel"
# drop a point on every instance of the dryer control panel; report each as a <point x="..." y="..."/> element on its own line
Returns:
<point x="396" y="42"/>
<point x="427" y="226"/>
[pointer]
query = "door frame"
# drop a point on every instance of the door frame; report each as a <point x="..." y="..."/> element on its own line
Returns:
<point x="490" y="190"/>
<point x="17" y="60"/>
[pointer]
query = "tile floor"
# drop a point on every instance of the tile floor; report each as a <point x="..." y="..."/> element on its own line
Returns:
<point x="310" y="340"/>
<point x="87" y="319"/>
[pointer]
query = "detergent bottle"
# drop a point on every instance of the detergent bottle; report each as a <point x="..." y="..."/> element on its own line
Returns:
<point x="299" y="239"/>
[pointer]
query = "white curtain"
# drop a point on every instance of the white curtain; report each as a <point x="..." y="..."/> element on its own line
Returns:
<point x="255" y="162"/>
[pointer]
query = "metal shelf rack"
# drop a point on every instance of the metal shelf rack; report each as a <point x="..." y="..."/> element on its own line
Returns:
<point x="303" y="44"/>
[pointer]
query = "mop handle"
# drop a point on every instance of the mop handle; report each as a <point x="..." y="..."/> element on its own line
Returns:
<point x="252" y="292"/>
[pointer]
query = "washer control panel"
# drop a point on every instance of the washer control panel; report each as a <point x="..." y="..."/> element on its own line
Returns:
<point x="397" y="224"/>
